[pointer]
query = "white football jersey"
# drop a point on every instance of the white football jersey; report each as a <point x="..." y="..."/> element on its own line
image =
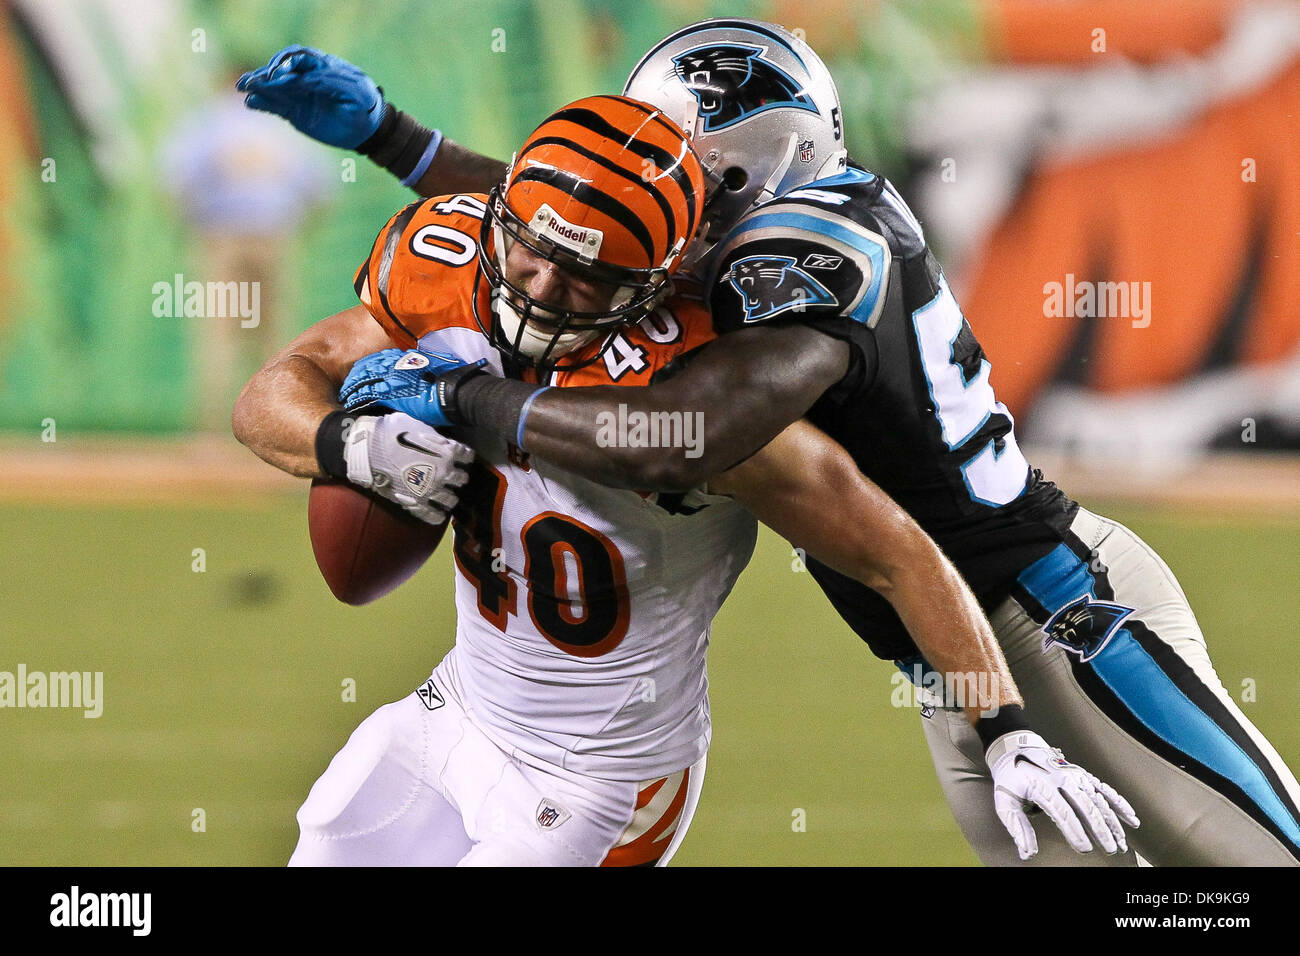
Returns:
<point x="583" y="611"/>
<point x="582" y="641"/>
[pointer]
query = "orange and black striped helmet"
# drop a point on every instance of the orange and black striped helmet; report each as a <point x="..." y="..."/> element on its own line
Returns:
<point x="611" y="190"/>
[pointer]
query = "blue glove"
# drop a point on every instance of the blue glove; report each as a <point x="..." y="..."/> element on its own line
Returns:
<point x="403" y="380"/>
<point x="323" y="96"/>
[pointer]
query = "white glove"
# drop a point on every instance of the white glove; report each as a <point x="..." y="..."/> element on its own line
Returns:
<point x="407" y="461"/>
<point x="1026" y="770"/>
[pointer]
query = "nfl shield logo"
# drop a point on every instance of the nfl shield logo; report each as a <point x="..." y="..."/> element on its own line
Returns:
<point x="412" y="360"/>
<point x="419" y="478"/>
<point x="550" y="814"/>
<point x="806" y="151"/>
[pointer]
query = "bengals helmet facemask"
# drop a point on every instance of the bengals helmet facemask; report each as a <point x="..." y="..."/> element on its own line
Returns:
<point x="610" y="191"/>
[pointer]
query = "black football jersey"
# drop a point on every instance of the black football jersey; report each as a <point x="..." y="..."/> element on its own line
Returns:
<point x="916" y="409"/>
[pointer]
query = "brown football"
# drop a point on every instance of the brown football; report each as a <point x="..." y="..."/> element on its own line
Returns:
<point x="365" y="546"/>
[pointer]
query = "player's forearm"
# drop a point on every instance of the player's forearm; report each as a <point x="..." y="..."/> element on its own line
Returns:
<point x="948" y="626"/>
<point x="725" y="405"/>
<point x="456" y="169"/>
<point x="899" y="561"/>
<point x="280" y="411"/>
<point x="579" y="429"/>
<point x="808" y="489"/>
<point x="576" y="428"/>
<point x="427" y="161"/>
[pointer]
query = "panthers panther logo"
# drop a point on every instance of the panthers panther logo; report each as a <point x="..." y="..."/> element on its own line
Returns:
<point x="733" y="82"/>
<point x="769" y="285"/>
<point x="1084" y="627"/>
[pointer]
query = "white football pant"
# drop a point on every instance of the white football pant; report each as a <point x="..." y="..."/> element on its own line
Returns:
<point x="1145" y="712"/>
<point x="419" y="784"/>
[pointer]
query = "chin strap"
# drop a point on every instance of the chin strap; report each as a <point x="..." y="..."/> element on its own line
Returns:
<point x="692" y="119"/>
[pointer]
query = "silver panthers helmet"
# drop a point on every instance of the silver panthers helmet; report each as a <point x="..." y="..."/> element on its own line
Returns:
<point x="759" y="105"/>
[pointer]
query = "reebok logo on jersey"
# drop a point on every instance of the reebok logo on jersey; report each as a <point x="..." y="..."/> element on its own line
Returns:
<point x="429" y="695"/>
<point x="1084" y="626"/>
<point x="770" y="285"/>
<point x="816" y="260"/>
<point x="548" y="223"/>
<point x="550" y="814"/>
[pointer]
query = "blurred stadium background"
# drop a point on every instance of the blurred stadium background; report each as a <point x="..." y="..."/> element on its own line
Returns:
<point x="1106" y="141"/>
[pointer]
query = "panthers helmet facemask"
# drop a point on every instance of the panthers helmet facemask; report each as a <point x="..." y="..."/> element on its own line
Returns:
<point x="759" y="106"/>
<point x="611" y="192"/>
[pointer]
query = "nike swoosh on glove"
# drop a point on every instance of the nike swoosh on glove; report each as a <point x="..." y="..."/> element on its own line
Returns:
<point x="1028" y="771"/>
<point x="408" y="462"/>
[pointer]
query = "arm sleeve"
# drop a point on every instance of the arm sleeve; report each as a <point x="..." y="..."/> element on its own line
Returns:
<point x="795" y="263"/>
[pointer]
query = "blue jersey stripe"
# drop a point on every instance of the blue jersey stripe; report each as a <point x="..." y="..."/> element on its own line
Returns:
<point x="1148" y="692"/>
<point x="850" y="177"/>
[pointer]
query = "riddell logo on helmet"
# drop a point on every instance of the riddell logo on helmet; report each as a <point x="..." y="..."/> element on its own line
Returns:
<point x="585" y="242"/>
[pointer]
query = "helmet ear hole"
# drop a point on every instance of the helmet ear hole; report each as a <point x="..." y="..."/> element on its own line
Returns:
<point x="735" y="179"/>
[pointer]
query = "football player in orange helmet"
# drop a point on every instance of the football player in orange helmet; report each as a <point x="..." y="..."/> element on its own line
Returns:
<point x="608" y="190"/>
<point x="569" y="722"/>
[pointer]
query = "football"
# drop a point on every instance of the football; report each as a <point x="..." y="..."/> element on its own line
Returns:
<point x="365" y="546"/>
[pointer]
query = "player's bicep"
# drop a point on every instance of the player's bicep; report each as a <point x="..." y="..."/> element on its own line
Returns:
<point x="807" y="488"/>
<point x="335" y="344"/>
<point x="749" y="386"/>
<point x="799" y="264"/>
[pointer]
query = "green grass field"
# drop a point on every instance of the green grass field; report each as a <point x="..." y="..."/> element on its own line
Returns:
<point x="224" y="689"/>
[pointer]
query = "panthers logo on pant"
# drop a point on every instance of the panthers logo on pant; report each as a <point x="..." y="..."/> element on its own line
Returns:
<point x="770" y="285"/>
<point x="733" y="81"/>
<point x="1084" y="626"/>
